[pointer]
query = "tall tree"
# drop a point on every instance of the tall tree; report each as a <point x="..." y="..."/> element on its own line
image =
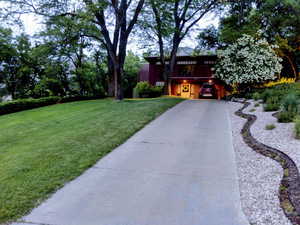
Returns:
<point x="16" y="72"/>
<point x="173" y="20"/>
<point x="277" y="19"/>
<point x="112" y="22"/>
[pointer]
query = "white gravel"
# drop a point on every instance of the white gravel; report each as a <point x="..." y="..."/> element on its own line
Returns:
<point x="281" y="138"/>
<point x="259" y="179"/>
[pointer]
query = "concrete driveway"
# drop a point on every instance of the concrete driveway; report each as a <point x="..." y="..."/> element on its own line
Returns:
<point x="178" y="170"/>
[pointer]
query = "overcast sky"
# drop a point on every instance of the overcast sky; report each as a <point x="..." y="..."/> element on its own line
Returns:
<point x="32" y="25"/>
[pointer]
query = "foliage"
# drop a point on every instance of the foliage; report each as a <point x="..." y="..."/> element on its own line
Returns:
<point x="132" y="67"/>
<point x="30" y="103"/>
<point x="278" y="19"/>
<point x="256" y="96"/>
<point x="270" y="107"/>
<point x="208" y="38"/>
<point x="146" y="90"/>
<point x="286" y="117"/>
<point x="25" y="104"/>
<point x="272" y="103"/>
<point x="53" y="145"/>
<point x="270" y="127"/>
<point x="170" y="22"/>
<point x="283" y="80"/>
<point x="290" y="103"/>
<point x="249" y="61"/>
<point x="297" y="127"/>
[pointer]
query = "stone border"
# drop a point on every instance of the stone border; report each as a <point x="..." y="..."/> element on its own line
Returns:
<point x="289" y="191"/>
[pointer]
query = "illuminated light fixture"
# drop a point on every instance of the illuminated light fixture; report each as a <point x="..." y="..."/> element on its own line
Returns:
<point x="210" y="81"/>
<point x="185" y="81"/>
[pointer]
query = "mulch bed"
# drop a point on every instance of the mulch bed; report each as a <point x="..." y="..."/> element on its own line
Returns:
<point x="289" y="191"/>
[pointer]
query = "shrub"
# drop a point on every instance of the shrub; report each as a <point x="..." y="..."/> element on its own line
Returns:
<point x="272" y="104"/>
<point x="247" y="62"/>
<point x="145" y="90"/>
<point x="266" y="95"/>
<point x="270" y="107"/>
<point x="286" y="117"/>
<point x="30" y="103"/>
<point x="252" y="110"/>
<point x="290" y="103"/>
<point x="156" y="91"/>
<point x="256" y="96"/>
<point x="24" y="104"/>
<point x="283" y="80"/>
<point x="270" y="127"/>
<point x="297" y="127"/>
<point x="256" y="105"/>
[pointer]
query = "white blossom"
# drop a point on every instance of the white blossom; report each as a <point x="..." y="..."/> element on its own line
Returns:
<point x="248" y="61"/>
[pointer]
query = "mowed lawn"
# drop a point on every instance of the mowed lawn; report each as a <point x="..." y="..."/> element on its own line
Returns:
<point x="44" y="148"/>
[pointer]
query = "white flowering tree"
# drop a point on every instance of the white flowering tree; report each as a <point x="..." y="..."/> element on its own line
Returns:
<point x="247" y="62"/>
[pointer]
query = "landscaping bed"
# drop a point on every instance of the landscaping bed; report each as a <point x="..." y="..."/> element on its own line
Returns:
<point x="259" y="179"/>
<point x="42" y="149"/>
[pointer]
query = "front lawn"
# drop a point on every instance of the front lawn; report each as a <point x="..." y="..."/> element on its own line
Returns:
<point x="44" y="148"/>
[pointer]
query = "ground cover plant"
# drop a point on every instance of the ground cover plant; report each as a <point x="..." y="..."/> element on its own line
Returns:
<point x="43" y="148"/>
<point x="270" y="127"/>
<point x="285" y="98"/>
<point x="297" y="127"/>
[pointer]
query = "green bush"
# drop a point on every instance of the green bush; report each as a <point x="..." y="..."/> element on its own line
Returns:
<point x="290" y="103"/>
<point x="297" y="127"/>
<point x="256" y="96"/>
<point x="270" y="127"/>
<point x="272" y="104"/>
<point x="24" y="104"/>
<point x="145" y="90"/>
<point x="270" y="107"/>
<point x="266" y="95"/>
<point x="30" y="103"/>
<point x="286" y="117"/>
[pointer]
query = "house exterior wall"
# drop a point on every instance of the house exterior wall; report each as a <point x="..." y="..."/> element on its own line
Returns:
<point x="191" y="71"/>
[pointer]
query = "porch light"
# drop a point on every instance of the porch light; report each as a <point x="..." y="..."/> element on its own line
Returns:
<point x="185" y="81"/>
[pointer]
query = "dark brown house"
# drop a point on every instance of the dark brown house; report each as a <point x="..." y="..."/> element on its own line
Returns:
<point x="190" y="73"/>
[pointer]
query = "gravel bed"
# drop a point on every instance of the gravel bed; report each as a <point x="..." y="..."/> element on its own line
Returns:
<point x="282" y="137"/>
<point x="259" y="179"/>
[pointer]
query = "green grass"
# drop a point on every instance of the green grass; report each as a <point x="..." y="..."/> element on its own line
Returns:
<point x="42" y="149"/>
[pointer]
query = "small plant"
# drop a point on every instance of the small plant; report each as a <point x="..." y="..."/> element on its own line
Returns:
<point x="272" y="104"/>
<point x="286" y="117"/>
<point x="146" y="90"/>
<point x="252" y="110"/>
<point x="297" y="127"/>
<point x="291" y="103"/>
<point x="266" y="95"/>
<point x="270" y="127"/>
<point x="270" y="107"/>
<point x="256" y="96"/>
<point x="256" y="105"/>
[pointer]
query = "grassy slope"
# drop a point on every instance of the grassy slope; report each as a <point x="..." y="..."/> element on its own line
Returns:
<point x="41" y="149"/>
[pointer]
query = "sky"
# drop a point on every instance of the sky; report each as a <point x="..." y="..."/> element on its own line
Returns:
<point x="32" y="25"/>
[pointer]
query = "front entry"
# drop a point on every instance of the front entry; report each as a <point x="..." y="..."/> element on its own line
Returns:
<point x="186" y="90"/>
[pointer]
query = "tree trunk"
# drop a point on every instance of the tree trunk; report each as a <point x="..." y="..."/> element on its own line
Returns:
<point x="118" y="88"/>
<point x="292" y="66"/>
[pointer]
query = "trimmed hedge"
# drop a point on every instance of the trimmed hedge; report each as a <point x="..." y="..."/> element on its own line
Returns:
<point x="25" y="104"/>
<point x="144" y="89"/>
